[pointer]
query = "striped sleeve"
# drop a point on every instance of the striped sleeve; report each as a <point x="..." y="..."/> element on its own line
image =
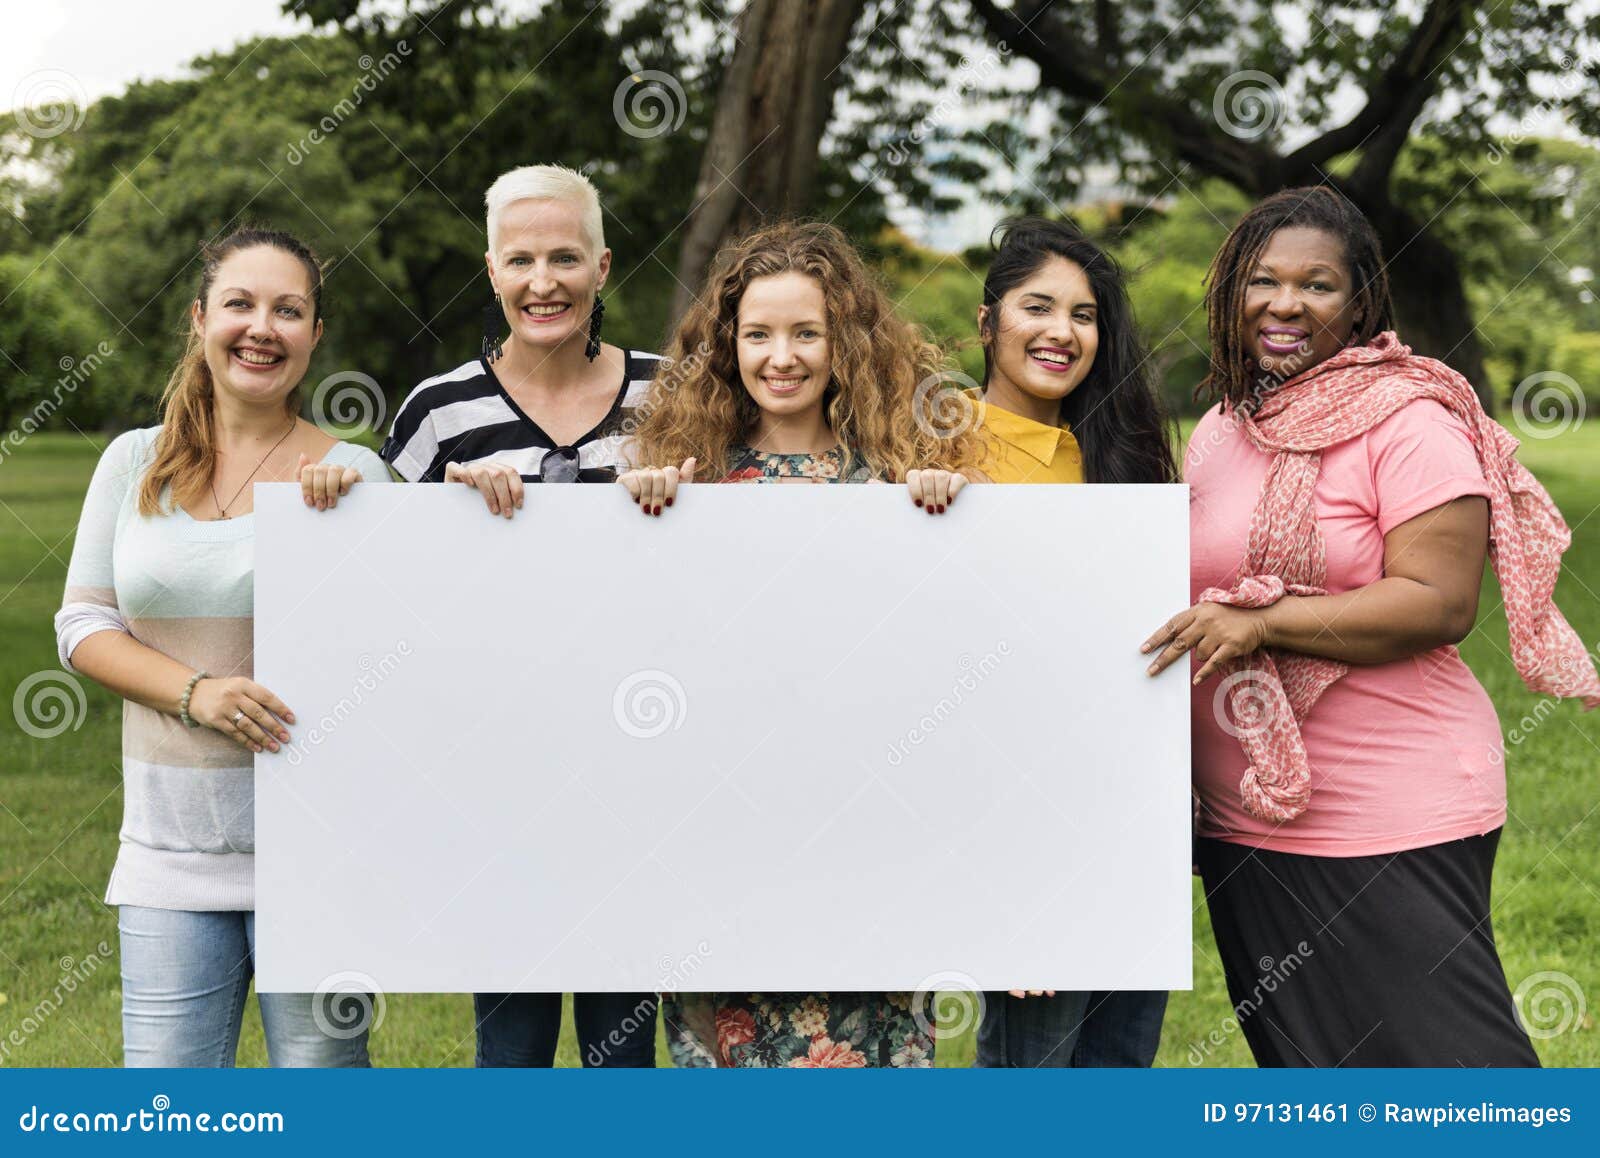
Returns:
<point x="89" y="604"/>
<point x="413" y="446"/>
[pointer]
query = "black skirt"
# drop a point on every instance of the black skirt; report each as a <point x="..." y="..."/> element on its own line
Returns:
<point x="1382" y="960"/>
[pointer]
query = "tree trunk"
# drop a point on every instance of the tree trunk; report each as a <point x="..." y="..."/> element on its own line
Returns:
<point x="761" y="156"/>
<point x="1430" y="299"/>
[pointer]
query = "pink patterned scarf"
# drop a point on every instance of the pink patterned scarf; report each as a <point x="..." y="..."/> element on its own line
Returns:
<point x="1337" y="400"/>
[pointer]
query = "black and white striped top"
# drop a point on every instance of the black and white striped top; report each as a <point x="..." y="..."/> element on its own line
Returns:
<point x="466" y="416"/>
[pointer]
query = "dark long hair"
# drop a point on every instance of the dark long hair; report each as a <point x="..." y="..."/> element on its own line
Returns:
<point x="1119" y="421"/>
<point x="1229" y="377"/>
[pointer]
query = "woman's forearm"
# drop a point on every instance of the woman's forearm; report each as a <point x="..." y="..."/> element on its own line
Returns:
<point x="135" y="671"/>
<point x="1389" y="619"/>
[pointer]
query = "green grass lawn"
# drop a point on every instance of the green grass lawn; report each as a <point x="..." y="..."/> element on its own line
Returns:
<point x="61" y="805"/>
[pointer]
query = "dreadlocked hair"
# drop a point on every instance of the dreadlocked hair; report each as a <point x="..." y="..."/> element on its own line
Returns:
<point x="1231" y="376"/>
<point x="698" y="406"/>
<point x="186" y="448"/>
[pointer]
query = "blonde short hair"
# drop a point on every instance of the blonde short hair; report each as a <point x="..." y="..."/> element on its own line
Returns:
<point x="548" y="183"/>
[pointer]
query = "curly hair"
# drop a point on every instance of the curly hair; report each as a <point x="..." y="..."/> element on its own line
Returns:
<point x="890" y="398"/>
<point x="1229" y="377"/>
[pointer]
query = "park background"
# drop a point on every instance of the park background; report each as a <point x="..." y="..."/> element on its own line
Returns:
<point x="1466" y="131"/>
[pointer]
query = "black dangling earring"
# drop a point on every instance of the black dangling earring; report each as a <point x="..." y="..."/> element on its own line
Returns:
<point x="494" y="319"/>
<point x="595" y="317"/>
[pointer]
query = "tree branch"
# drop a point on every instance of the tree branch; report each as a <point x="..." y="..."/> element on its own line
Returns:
<point x="1394" y="100"/>
<point x="1069" y="69"/>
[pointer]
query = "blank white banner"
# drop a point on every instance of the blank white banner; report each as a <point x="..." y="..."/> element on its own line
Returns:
<point x="782" y="738"/>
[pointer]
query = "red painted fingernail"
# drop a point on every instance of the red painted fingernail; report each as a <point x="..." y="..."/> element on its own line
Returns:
<point x="669" y="502"/>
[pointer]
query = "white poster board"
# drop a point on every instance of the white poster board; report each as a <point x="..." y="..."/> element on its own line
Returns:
<point x="782" y="738"/>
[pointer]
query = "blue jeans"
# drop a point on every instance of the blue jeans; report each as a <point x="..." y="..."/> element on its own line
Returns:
<point x="615" y="1030"/>
<point x="185" y="977"/>
<point x="1080" y="1029"/>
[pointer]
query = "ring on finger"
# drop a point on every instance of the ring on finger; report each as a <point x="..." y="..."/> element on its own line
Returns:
<point x="236" y="717"/>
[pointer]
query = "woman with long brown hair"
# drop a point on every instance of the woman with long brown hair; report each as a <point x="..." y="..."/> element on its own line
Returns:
<point x="1350" y="770"/>
<point x="792" y="367"/>
<point x="158" y="608"/>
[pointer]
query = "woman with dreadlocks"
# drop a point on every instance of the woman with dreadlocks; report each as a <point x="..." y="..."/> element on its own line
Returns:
<point x="1344" y="495"/>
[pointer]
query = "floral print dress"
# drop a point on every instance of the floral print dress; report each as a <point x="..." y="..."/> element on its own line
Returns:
<point x="797" y="1030"/>
<point x="759" y="466"/>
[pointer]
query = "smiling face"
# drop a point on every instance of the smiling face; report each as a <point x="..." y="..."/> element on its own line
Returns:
<point x="1299" y="301"/>
<point x="1043" y="335"/>
<point x="258" y="326"/>
<point x="545" y="272"/>
<point x="785" y="360"/>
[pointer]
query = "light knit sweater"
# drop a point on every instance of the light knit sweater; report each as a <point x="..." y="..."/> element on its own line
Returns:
<point x="186" y="589"/>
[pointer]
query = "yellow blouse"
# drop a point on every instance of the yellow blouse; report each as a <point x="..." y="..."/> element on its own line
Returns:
<point x="1024" y="451"/>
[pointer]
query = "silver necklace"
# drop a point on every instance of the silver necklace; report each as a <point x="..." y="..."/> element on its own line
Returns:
<point x="222" y="511"/>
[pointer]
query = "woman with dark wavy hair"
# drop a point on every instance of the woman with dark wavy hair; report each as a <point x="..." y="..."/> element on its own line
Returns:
<point x="1066" y="400"/>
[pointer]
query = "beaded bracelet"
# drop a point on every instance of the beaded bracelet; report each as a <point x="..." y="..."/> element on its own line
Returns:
<point x="183" y="703"/>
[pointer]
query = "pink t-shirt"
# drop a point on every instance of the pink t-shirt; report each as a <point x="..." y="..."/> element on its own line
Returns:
<point x="1403" y="754"/>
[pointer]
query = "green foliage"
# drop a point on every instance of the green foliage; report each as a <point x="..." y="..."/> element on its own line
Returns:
<point x="45" y="334"/>
<point x="375" y="141"/>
